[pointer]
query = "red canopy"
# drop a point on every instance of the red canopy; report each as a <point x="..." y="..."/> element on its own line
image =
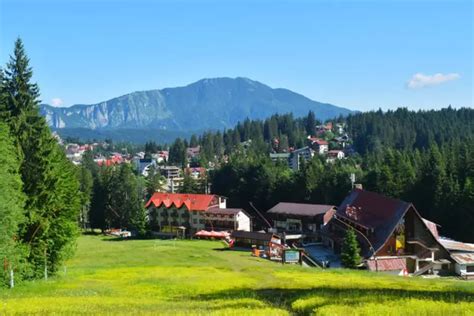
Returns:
<point x="205" y="233"/>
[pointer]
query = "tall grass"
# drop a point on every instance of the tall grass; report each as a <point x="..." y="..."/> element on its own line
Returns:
<point x="199" y="277"/>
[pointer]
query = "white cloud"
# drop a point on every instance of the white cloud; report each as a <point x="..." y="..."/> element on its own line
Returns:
<point x="56" y="102"/>
<point x="420" y="80"/>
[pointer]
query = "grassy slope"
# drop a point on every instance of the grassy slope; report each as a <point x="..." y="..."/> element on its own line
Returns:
<point x="196" y="277"/>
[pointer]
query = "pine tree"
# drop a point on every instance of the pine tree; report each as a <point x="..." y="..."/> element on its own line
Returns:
<point x="189" y="185"/>
<point x="350" y="252"/>
<point x="50" y="183"/>
<point x="86" y="182"/>
<point x="177" y="152"/>
<point x="311" y="124"/>
<point x="154" y="182"/>
<point x="99" y="199"/>
<point x="11" y="206"/>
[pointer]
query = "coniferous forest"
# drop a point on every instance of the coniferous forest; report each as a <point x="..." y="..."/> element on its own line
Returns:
<point x="424" y="157"/>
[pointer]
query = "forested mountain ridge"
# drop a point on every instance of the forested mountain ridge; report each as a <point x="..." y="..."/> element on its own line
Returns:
<point x="206" y="104"/>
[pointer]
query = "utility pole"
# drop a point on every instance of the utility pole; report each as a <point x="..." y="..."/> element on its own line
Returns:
<point x="45" y="265"/>
<point x="353" y="179"/>
<point x="12" y="279"/>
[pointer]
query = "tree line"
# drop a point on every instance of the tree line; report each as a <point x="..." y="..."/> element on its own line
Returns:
<point x="278" y="133"/>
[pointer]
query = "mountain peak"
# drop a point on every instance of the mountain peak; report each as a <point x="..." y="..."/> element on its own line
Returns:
<point x="211" y="103"/>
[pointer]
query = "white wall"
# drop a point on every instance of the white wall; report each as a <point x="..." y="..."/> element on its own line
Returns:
<point x="222" y="202"/>
<point x="243" y="221"/>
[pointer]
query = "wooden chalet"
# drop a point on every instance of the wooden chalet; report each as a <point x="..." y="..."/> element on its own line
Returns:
<point x="392" y="234"/>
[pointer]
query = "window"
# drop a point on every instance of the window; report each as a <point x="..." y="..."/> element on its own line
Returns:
<point x="470" y="269"/>
<point x="195" y="221"/>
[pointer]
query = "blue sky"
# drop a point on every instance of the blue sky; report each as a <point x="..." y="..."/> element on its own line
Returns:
<point x="359" y="54"/>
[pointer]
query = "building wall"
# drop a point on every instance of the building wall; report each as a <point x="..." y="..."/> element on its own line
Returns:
<point x="243" y="222"/>
<point x="162" y="217"/>
<point x="222" y="202"/>
<point x="461" y="269"/>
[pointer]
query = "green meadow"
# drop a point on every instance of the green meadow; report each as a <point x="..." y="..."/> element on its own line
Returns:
<point x="201" y="277"/>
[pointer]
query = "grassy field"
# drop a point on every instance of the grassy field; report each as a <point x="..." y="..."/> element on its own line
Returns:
<point x="199" y="277"/>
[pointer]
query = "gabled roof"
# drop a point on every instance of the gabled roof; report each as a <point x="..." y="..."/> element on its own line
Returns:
<point x="300" y="209"/>
<point x="372" y="210"/>
<point x="380" y="214"/>
<point x="193" y="202"/>
<point x="375" y="212"/>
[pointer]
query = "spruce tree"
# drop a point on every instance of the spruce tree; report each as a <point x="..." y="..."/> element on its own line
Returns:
<point x="154" y="182"/>
<point x="350" y="252"/>
<point x="50" y="183"/>
<point x="86" y="182"/>
<point x="12" y="202"/>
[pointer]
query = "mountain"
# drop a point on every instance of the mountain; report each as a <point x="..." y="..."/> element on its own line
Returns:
<point x="206" y="104"/>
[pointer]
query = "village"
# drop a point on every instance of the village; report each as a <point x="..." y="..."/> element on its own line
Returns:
<point x="392" y="235"/>
<point x="331" y="142"/>
<point x="394" y="238"/>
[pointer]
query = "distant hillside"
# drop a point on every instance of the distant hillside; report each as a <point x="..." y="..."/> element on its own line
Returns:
<point x="206" y="104"/>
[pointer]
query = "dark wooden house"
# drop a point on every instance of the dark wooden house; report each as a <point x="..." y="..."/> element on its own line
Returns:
<point x="392" y="234"/>
<point x="299" y="218"/>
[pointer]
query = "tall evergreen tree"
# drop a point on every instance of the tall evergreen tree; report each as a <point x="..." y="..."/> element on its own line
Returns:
<point x="311" y="123"/>
<point x="50" y="183"/>
<point x="11" y="206"/>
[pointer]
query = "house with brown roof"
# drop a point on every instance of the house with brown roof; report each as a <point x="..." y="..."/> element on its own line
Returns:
<point x="334" y="155"/>
<point x="392" y="234"/>
<point x="167" y="212"/>
<point x="300" y="218"/>
<point x="319" y="145"/>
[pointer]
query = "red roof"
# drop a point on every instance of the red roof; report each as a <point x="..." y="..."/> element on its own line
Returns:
<point x="318" y="141"/>
<point x="214" y="234"/>
<point x="371" y="209"/>
<point x="387" y="264"/>
<point x="193" y="202"/>
<point x="115" y="160"/>
<point x="433" y="227"/>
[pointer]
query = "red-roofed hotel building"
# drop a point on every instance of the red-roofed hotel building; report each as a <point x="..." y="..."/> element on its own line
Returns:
<point x="195" y="212"/>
